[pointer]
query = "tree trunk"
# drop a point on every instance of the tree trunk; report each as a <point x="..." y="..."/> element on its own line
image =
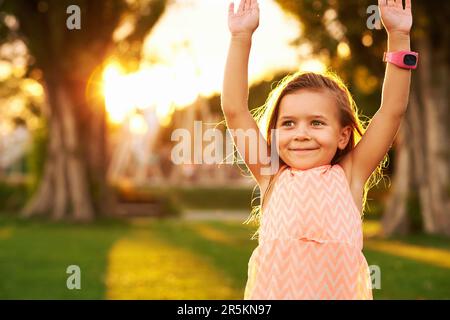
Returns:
<point x="64" y="189"/>
<point x="434" y="199"/>
<point x="93" y="130"/>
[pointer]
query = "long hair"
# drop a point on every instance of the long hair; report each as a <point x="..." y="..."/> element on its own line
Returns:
<point x="328" y="82"/>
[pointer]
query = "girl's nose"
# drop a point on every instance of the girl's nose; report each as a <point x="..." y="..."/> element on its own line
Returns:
<point x="301" y="135"/>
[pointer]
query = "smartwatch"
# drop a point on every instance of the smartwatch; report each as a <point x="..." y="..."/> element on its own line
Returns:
<point x="402" y="59"/>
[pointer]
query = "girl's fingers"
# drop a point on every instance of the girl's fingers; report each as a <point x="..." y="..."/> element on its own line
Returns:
<point x="246" y="4"/>
<point x="231" y="8"/>
<point x="408" y="4"/>
<point x="254" y="4"/>
<point x="241" y="6"/>
<point x="390" y="3"/>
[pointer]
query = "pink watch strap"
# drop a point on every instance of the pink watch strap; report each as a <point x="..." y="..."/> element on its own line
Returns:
<point x="398" y="58"/>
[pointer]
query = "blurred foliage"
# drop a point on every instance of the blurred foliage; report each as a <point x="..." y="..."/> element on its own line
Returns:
<point x="43" y="24"/>
<point x="35" y="158"/>
<point x="214" y="198"/>
<point x="13" y="196"/>
<point x="167" y="204"/>
<point x="180" y="198"/>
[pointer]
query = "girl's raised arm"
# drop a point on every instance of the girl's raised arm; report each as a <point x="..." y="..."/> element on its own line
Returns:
<point x="234" y="98"/>
<point x="384" y="125"/>
<point x="381" y="131"/>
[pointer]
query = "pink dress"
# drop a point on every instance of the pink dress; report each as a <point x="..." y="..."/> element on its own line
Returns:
<point x="310" y="240"/>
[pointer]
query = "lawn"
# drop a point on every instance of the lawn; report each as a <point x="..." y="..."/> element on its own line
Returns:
<point x="178" y="259"/>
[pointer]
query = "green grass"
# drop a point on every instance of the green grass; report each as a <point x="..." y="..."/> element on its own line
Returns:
<point x="408" y="279"/>
<point x="34" y="256"/>
<point x="230" y="257"/>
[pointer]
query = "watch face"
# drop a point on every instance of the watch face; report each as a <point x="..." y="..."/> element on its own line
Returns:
<point x="410" y="60"/>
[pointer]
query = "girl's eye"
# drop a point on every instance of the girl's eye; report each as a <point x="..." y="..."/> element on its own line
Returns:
<point x="285" y="124"/>
<point x="290" y="123"/>
<point x="316" y="123"/>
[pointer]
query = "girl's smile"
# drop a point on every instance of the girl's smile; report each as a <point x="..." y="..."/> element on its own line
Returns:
<point x="303" y="151"/>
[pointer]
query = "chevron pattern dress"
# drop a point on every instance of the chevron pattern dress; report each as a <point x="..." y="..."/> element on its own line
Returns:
<point x="310" y="240"/>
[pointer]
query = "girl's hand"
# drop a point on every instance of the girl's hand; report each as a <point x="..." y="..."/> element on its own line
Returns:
<point x="396" y="19"/>
<point x="246" y="19"/>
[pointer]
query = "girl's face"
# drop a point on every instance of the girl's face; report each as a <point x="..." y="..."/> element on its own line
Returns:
<point x="309" y="129"/>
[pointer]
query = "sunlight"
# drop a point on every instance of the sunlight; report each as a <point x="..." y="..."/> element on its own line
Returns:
<point x="186" y="81"/>
<point x="32" y="87"/>
<point x="313" y="65"/>
<point x="114" y="88"/>
<point x="144" y="267"/>
<point x="138" y="125"/>
<point x="5" y="128"/>
<point x="127" y="92"/>
<point x="434" y="256"/>
<point x="185" y="63"/>
<point x="5" y="70"/>
<point x="343" y="50"/>
<point x="367" y="40"/>
<point x="213" y="234"/>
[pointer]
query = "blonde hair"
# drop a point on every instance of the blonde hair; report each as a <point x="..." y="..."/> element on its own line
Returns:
<point x="266" y="116"/>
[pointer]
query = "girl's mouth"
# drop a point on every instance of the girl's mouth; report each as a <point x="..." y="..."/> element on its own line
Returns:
<point x="302" y="151"/>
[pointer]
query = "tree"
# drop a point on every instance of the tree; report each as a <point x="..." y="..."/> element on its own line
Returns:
<point x="421" y="169"/>
<point x="74" y="179"/>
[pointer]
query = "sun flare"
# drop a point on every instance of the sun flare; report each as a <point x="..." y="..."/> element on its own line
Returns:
<point x="158" y="87"/>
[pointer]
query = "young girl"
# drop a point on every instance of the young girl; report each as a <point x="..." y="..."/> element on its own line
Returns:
<point x="310" y="234"/>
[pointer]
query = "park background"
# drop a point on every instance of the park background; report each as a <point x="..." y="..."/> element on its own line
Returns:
<point x="86" y="117"/>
